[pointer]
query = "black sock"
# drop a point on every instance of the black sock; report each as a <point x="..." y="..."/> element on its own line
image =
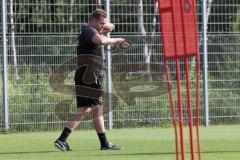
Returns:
<point x="103" y="140"/>
<point x="65" y="133"/>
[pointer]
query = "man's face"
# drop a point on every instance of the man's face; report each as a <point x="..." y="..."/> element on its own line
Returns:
<point x="100" y="23"/>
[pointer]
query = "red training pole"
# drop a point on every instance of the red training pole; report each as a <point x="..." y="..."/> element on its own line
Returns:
<point x="189" y="104"/>
<point x="198" y="105"/>
<point x="180" y="109"/>
<point x="172" y="108"/>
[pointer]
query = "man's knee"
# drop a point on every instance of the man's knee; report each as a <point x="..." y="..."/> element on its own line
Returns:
<point x="97" y="111"/>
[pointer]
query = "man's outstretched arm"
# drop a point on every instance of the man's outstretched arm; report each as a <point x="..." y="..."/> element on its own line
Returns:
<point x="103" y="40"/>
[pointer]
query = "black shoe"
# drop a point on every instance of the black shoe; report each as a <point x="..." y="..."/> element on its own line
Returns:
<point x="63" y="146"/>
<point x="111" y="146"/>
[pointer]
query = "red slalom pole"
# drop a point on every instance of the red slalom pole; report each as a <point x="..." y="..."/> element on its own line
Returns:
<point x="189" y="104"/>
<point x="198" y="105"/>
<point x="172" y="108"/>
<point x="180" y="109"/>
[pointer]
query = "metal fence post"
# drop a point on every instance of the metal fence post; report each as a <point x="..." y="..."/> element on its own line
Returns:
<point x="109" y="78"/>
<point x="205" y="61"/>
<point x="4" y="52"/>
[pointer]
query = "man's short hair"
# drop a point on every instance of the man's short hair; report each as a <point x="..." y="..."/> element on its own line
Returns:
<point x="97" y="14"/>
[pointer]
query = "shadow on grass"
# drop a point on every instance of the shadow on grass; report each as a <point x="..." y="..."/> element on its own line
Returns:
<point x="28" y="152"/>
<point x="209" y="152"/>
<point x="110" y="153"/>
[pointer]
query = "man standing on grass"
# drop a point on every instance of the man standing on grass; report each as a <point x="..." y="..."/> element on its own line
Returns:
<point x="90" y="41"/>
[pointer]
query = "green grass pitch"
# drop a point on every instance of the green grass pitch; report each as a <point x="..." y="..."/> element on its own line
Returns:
<point x="218" y="143"/>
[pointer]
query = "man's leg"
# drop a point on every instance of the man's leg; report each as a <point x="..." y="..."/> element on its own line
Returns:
<point x="79" y="116"/>
<point x="98" y="119"/>
<point x="98" y="122"/>
<point x="72" y="123"/>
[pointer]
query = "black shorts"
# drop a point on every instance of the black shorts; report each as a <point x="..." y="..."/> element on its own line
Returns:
<point x="89" y="87"/>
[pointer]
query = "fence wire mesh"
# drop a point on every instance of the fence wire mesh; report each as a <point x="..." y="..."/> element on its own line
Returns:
<point x="224" y="56"/>
<point x="42" y="35"/>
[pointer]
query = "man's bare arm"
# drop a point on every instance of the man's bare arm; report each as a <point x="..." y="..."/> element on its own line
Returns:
<point x="108" y="27"/>
<point x="103" y="40"/>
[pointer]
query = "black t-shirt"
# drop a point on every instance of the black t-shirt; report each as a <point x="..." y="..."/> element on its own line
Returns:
<point x="85" y="45"/>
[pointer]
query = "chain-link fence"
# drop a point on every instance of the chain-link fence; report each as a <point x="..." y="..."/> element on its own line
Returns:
<point x="224" y="58"/>
<point x="42" y="35"/>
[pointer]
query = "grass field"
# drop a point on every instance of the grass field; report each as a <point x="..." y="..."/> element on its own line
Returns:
<point x="218" y="143"/>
